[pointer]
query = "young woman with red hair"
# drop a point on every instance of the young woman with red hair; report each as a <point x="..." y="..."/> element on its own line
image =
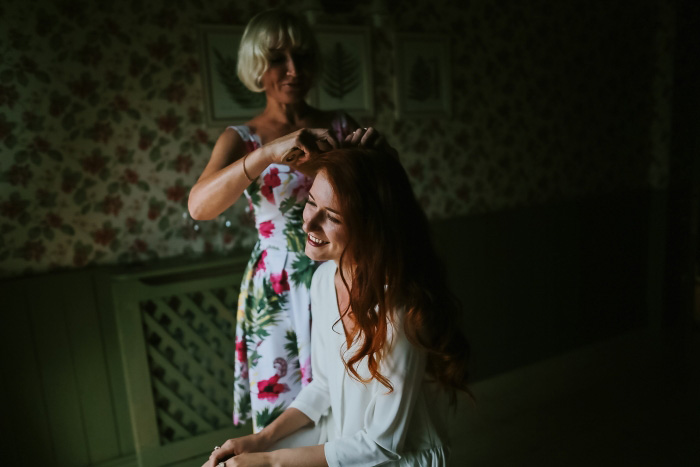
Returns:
<point x="385" y="327"/>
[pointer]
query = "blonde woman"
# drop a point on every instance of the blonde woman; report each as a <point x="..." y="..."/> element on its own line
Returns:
<point x="278" y="56"/>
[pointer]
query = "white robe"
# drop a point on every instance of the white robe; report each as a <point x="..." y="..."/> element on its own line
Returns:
<point x="362" y="424"/>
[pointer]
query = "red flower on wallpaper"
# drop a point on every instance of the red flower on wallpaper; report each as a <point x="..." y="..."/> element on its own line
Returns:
<point x="266" y="228"/>
<point x="112" y="204"/>
<point x="69" y="181"/>
<point x="80" y="257"/>
<point x="175" y="93"/>
<point x="54" y="220"/>
<point x="33" y="250"/>
<point x="279" y="282"/>
<point x="176" y="192"/>
<point x="123" y="154"/>
<point x="13" y="208"/>
<point x="90" y="55"/>
<point x="194" y="115"/>
<point x="153" y="213"/>
<point x="8" y="96"/>
<point x="111" y="27"/>
<point x="137" y="64"/>
<point x="270" y="181"/>
<point x="260" y="265"/>
<point x="19" y="175"/>
<point x="270" y="389"/>
<point x="83" y="87"/>
<point x="416" y="171"/>
<point x="201" y="136"/>
<point x="191" y="66"/>
<point x="166" y="18"/>
<point x="28" y="65"/>
<point x="120" y="104"/>
<point x="160" y="49"/>
<point x="139" y="246"/>
<point x="241" y="350"/>
<point x="40" y="144"/>
<point x="5" y="127"/>
<point x="168" y="123"/>
<point x="131" y="176"/>
<point x="183" y="163"/>
<point x="101" y="132"/>
<point x="132" y="225"/>
<point x="32" y="121"/>
<point x="57" y="105"/>
<point x="145" y="143"/>
<point x="104" y="236"/>
<point x="45" y="198"/>
<point x="94" y="163"/>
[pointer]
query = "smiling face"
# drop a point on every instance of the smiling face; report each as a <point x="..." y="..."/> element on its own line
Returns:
<point x="326" y="232"/>
<point x="287" y="78"/>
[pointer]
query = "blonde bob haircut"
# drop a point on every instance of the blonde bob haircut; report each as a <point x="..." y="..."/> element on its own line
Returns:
<point x="272" y="30"/>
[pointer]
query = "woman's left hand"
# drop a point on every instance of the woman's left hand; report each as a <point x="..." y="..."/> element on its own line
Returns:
<point x="237" y="448"/>
<point x="255" y="459"/>
<point x="369" y="138"/>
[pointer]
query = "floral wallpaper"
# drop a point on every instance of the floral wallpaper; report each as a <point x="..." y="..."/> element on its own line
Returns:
<point x="102" y="134"/>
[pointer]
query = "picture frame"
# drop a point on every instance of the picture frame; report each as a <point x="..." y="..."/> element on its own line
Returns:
<point x="345" y="80"/>
<point x="423" y="75"/>
<point x="226" y="99"/>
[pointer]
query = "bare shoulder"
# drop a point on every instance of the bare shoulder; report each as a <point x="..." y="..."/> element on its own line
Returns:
<point x="229" y="148"/>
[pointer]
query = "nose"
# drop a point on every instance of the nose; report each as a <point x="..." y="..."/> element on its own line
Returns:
<point x="310" y="221"/>
<point x="291" y="65"/>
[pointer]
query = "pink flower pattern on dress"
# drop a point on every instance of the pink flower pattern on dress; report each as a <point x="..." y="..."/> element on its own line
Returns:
<point x="260" y="265"/>
<point x="279" y="282"/>
<point x="241" y="352"/>
<point x="270" y="389"/>
<point x="270" y="180"/>
<point x="266" y="228"/>
<point x="306" y="372"/>
<point x="273" y="325"/>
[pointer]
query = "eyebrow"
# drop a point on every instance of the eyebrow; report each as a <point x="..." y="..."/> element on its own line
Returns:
<point x="329" y="209"/>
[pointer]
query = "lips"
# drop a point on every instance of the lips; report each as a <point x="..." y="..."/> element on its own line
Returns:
<point x="315" y="241"/>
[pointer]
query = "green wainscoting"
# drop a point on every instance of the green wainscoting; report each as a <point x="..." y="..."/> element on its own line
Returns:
<point x="63" y="383"/>
<point x="124" y="367"/>
<point x="541" y="281"/>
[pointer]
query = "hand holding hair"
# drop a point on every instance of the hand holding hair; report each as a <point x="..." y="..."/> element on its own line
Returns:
<point x="369" y="138"/>
<point x="296" y="147"/>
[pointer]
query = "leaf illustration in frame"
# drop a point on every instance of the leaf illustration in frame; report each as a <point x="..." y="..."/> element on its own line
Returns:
<point x="226" y="69"/>
<point x="341" y="73"/>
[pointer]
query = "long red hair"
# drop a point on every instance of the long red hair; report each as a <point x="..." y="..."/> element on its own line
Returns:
<point x="395" y="267"/>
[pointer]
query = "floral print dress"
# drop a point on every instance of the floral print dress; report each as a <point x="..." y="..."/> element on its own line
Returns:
<point x="273" y="322"/>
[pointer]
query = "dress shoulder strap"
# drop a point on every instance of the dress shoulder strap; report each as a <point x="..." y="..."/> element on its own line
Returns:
<point x="244" y="132"/>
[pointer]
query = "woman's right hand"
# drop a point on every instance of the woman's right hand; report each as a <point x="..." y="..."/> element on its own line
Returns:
<point x="296" y="148"/>
<point x="236" y="446"/>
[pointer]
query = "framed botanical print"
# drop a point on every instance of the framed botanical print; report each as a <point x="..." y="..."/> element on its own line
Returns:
<point x="226" y="99"/>
<point x="345" y="79"/>
<point x="423" y="75"/>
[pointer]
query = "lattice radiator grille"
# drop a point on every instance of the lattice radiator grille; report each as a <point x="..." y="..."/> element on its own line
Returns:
<point x="190" y="346"/>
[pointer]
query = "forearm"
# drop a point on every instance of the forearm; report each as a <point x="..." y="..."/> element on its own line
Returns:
<point x="307" y="456"/>
<point x="214" y="193"/>
<point x="290" y="421"/>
